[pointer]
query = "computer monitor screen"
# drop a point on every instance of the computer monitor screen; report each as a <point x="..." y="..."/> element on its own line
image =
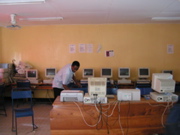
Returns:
<point x="32" y="74"/>
<point x="168" y="71"/>
<point x="97" y="86"/>
<point x="124" y="72"/>
<point x="143" y="72"/>
<point x="88" y="72"/>
<point x="163" y="82"/>
<point x="50" y="72"/>
<point x="106" y="72"/>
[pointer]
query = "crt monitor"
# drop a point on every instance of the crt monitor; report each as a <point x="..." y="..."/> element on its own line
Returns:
<point x="50" y="72"/>
<point x="143" y="72"/>
<point x="88" y="72"/>
<point x="124" y="72"/>
<point x="163" y="82"/>
<point x="32" y="74"/>
<point x="97" y="86"/>
<point x="106" y="72"/>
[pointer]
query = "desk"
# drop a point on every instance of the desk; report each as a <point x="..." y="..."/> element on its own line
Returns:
<point x="43" y="91"/>
<point x="126" y="85"/>
<point x="40" y="90"/>
<point x="136" y="118"/>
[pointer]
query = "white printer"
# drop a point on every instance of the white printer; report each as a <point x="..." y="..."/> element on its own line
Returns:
<point x="71" y="96"/>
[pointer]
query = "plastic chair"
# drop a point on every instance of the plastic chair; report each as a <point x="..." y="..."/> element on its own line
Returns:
<point x="24" y="110"/>
<point x="24" y="84"/>
<point x="2" y="102"/>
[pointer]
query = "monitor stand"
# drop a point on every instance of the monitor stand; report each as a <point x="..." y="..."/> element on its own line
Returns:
<point x="48" y="80"/>
<point x="143" y="80"/>
<point x="84" y="81"/>
<point x="35" y="81"/>
<point x="124" y="80"/>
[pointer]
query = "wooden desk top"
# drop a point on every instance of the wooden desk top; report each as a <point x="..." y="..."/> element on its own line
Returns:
<point x="43" y="86"/>
<point x="57" y="102"/>
<point x="136" y="117"/>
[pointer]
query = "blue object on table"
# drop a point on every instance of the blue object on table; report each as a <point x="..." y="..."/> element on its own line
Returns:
<point x="145" y="91"/>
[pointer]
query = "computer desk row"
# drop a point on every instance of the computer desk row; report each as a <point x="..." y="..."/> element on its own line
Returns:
<point x="142" y="117"/>
<point x="111" y="89"/>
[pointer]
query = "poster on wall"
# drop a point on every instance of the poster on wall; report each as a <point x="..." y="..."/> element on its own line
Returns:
<point x="89" y="48"/>
<point x="72" y="48"/>
<point x="170" y="49"/>
<point x="109" y="53"/>
<point x="82" y="48"/>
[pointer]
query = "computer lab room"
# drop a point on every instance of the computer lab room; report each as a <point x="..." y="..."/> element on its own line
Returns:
<point x="129" y="72"/>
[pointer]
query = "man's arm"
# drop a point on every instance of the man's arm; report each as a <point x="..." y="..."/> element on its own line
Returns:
<point x="66" y="87"/>
<point x="65" y="81"/>
<point x="76" y="82"/>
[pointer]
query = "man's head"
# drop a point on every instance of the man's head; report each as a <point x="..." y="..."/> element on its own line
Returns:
<point x="75" y="66"/>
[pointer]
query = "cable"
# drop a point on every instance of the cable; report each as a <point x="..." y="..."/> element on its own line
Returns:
<point x="166" y="107"/>
<point x="156" y="105"/>
<point x="162" y="116"/>
<point x="99" y="119"/>
<point x="119" y="118"/>
<point x="116" y="102"/>
<point x="104" y="118"/>
<point x="128" y="118"/>
<point x="100" y="116"/>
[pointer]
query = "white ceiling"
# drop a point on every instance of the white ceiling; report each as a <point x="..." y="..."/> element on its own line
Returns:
<point x="92" y="11"/>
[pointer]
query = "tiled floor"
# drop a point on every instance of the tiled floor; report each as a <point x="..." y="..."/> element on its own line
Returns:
<point x="42" y="120"/>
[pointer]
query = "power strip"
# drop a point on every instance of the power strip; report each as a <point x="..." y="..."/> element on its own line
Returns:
<point x="94" y="100"/>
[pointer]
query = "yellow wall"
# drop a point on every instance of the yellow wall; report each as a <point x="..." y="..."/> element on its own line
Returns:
<point x="134" y="45"/>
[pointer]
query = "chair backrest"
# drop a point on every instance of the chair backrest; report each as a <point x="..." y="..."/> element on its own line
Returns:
<point x="21" y="94"/>
<point x="23" y="83"/>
